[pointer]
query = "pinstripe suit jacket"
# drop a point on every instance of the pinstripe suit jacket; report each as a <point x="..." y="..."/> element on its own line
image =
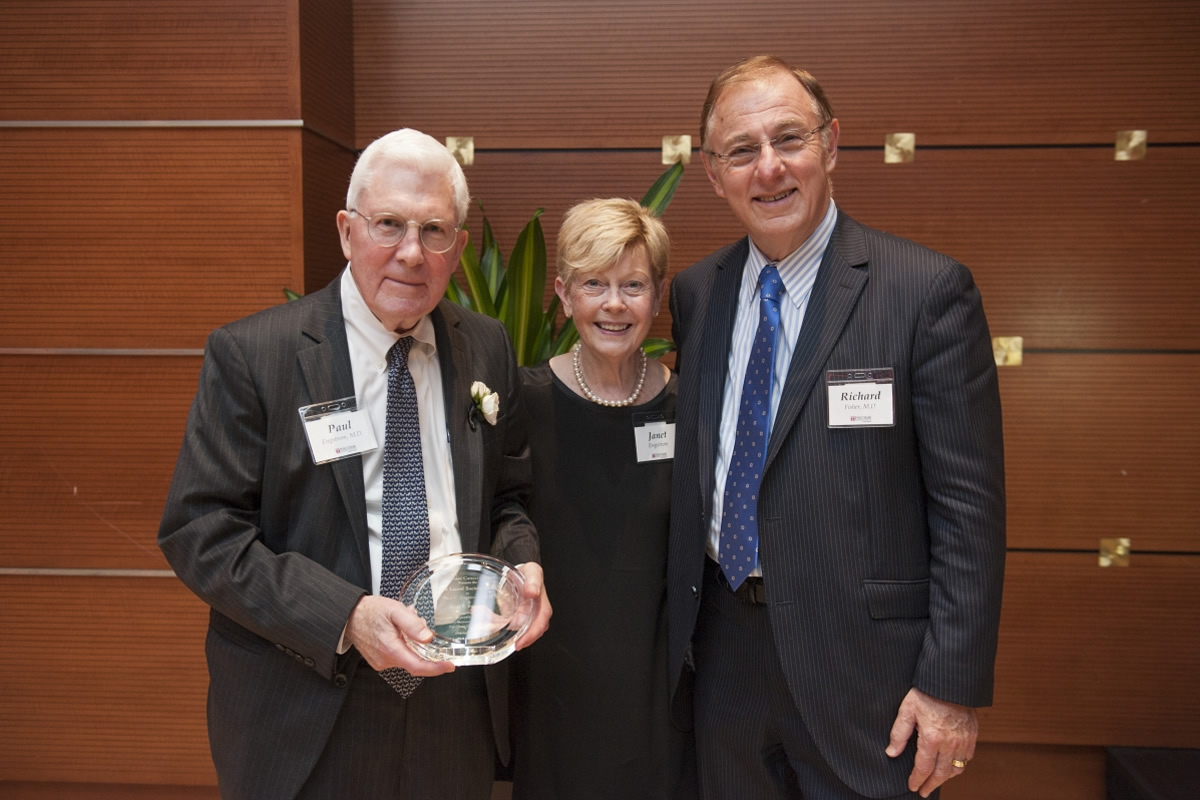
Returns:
<point x="277" y="546"/>
<point x="882" y="549"/>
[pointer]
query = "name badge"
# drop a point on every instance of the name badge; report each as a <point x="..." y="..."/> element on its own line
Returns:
<point x="654" y="437"/>
<point x="861" y="398"/>
<point x="337" y="430"/>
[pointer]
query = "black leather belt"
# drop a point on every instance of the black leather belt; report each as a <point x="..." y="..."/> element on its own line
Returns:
<point x="751" y="591"/>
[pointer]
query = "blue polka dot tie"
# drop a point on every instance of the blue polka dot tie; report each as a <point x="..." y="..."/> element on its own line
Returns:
<point x="739" y="516"/>
<point x="405" y="508"/>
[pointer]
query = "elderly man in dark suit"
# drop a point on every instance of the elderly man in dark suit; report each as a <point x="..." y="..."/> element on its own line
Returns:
<point x="299" y="544"/>
<point x="837" y="521"/>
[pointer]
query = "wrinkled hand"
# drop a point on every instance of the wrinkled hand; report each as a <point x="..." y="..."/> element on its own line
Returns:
<point x="535" y="589"/>
<point x="945" y="731"/>
<point x="377" y="626"/>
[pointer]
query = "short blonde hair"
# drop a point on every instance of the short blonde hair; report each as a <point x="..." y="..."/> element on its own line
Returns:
<point x="596" y="233"/>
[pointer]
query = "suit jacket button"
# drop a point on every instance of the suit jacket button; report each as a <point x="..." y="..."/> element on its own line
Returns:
<point x="340" y="681"/>
<point x="695" y="593"/>
<point x="308" y="662"/>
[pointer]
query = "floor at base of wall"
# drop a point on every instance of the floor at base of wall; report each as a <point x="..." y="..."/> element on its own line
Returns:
<point x="998" y="772"/>
<point x="10" y="790"/>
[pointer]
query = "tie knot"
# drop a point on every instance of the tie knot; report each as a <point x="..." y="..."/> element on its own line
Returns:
<point x="770" y="285"/>
<point x="398" y="355"/>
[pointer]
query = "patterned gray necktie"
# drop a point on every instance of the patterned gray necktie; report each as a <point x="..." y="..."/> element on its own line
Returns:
<point x="405" y="508"/>
<point x="738" y="555"/>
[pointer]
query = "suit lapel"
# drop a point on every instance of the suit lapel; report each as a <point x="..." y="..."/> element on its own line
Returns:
<point x="717" y="311"/>
<point x="324" y="360"/>
<point x="466" y="449"/>
<point x="840" y="281"/>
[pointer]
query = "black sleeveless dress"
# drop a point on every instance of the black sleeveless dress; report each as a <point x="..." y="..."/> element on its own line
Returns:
<point x="590" y="714"/>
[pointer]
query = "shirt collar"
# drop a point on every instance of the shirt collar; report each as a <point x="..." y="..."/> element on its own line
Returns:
<point x="798" y="268"/>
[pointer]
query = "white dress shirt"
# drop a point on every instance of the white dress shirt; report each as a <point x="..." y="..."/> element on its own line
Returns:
<point x="798" y="272"/>
<point x="369" y="343"/>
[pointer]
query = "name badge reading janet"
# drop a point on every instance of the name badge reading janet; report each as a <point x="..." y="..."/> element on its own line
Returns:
<point x="860" y="398"/>
<point x="337" y="430"/>
<point x="654" y="437"/>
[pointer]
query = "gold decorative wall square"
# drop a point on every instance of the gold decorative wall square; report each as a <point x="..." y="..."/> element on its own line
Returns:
<point x="1131" y="146"/>
<point x="1008" y="350"/>
<point x="899" y="148"/>
<point x="677" y="148"/>
<point x="462" y="148"/>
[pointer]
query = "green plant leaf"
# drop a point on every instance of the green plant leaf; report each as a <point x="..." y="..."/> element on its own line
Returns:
<point x="481" y="297"/>
<point x="657" y="348"/>
<point x="492" y="267"/>
<point x="492" y="261"/>
<point x="290" y="295"/>
<point x="545" y="345"/>
<point x="658" y="197"/>
<point x="455" y="293"/>
<point x="526" y="283"/>
<point x="566" y="339"/>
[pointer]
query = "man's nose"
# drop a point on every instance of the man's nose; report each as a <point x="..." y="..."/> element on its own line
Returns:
<point x="769" y="161"/>
<point x="409" y="250"/>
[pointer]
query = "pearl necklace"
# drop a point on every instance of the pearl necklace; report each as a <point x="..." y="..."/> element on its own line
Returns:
<point x="590" y="395"/>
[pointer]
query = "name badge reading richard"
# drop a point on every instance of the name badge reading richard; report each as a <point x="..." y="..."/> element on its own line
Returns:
<point x="337" y="430"/>
<point x="860" y="398"/>
<point x="654" y="437"/>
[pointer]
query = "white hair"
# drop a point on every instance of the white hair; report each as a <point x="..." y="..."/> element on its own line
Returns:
<point x="412" y="148"/>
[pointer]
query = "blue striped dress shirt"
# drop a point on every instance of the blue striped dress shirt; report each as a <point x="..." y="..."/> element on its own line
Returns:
<point x="798" y="271"/>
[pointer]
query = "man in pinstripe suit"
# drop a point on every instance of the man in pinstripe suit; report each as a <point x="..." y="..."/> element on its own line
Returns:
<point x="849" y="662"/>
<point x="285" y="546"/>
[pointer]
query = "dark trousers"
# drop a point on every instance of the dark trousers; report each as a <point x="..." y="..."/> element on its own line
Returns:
<point x="751" y="742"/>
<point x="435" y="744"/>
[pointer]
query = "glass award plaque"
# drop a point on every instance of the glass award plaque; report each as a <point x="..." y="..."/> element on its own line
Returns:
<point x="474" y="606"/>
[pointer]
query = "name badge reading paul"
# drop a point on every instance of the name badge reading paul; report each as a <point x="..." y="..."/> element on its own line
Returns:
<point x="654" y="437"/>
<point x="861" y="398"/>
<point x="337" y="430"/>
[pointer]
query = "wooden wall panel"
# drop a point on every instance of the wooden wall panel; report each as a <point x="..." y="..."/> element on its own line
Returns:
<point x="1102" y="445"/>
<point x="89" y="450"/>
<point x="118" y="238"/>
<point x="547" y="74"/>
<point x="327" y="168"/>
<point x="326" y="34"/>
<point x="1098" y="656"/>
<point x="1070" y="249"/>
<point x="149" y="60"/>
<point x="44" y="790"/>
<point x="102" y="680"/>
<point x="1029" y="772"/>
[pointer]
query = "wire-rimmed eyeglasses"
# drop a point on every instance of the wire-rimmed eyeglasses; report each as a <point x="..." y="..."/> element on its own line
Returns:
<point x="389" y="230"/>
<point x="787" y="144"/>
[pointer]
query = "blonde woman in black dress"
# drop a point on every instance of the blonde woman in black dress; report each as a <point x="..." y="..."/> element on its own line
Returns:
<point x="590" y="707"/>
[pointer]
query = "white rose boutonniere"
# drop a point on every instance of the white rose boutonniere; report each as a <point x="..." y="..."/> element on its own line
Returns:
<point x="486" y="401"/>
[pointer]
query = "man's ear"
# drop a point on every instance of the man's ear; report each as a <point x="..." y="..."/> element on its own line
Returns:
<point x="343" y="225"/>
<point x="710" y="171"/>
<point x="831" y="150"/>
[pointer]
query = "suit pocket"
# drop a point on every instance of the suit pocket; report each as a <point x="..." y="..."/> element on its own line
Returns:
<point x="897" y="599"/>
